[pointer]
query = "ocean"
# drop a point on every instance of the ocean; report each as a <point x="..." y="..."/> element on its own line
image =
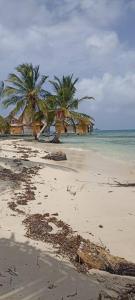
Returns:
<point x="118" y="144"/>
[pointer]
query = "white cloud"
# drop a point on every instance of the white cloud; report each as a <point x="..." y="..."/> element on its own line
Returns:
<point x="72" y="36"/>
<point x="110" y="90"/>
<point x="115" y="100"/>
<point x="63" y="37"/>
<point x="103" y="12"/>
<point x="102" y="43"/>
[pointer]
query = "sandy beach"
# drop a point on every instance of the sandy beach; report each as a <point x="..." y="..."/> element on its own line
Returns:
<point x="83" y="193"/>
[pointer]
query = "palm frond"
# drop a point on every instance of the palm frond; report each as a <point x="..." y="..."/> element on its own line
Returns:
<point x="9" y="90"/>
<point x="19" y="107"/>
<point x="41" y="82"/>
<point x="12" y="101"/>
<point x="36" y="73"/>
<point x="81" y="116"/>
<point x="86" y="98"/>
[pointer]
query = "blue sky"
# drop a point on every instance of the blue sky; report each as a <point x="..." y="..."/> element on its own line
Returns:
<point x="94" y="39"/>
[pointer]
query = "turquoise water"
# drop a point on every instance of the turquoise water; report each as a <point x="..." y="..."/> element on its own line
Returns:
<point x="119" y="144"/>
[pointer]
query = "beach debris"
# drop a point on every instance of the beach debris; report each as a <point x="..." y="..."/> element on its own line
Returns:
<point x="7" y="174"/>
<point x="58" y="156"/>
<point x="90" y="233"/>
<point x="83" y="253"/>
<point x="100" y="226"/>
<point x="12" y="271"/>
<point x="127" y="293"/>
<point x="26" y="150"/>
<point x="97" y="257"/>
<point x="20" y="178"/>
<point x="72" y="192"/>
<point x="126" y="184"/>
<point x="72" y="295"/>
<point x="46" y="215"/>
<point x="13" y="206"/>
<point x="11" y="281"/>
<point x="51" y="286"/>
<point x="55" y="214"/>
<point x="37" y="262"/>
<point x="38" y="228"/>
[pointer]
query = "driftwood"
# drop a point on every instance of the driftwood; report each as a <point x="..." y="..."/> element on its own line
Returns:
<point x="96" y="257"/>
<point x="128" y="184"/>
<point x="56" y="156"/>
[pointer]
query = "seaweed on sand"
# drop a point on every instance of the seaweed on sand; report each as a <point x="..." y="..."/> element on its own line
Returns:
<point x="18" y="178"/>
<point x="82" y="253"/>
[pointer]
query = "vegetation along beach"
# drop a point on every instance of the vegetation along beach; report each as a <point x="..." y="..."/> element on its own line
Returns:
<point x="67" y="150"/>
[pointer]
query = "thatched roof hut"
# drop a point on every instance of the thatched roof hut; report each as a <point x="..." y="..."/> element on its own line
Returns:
<point x="22" y="126"/>
<point x="74" y="123"/>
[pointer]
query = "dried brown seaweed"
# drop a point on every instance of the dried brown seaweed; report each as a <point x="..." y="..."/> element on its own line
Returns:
<point x="82" y="253"/>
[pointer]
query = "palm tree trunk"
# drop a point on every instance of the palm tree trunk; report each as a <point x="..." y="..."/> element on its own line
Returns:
<point x="56" y="139"/>
<point x="34" y="131"/>
<point x="64" y="126"/>
<point x="42" y="129"/>
<point x="35" y="136"/>
<point x="74" y="126"/>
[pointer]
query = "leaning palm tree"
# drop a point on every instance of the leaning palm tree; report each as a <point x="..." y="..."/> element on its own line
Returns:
<point x="65" y="96"/>
<point x="25" y="93"/>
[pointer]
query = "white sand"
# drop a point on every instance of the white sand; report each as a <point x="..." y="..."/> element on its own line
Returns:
<point x="79" y="191"/>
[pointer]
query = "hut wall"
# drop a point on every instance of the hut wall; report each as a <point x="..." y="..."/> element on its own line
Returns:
<point x="70" y="129"/>
<point x="79" y="129"/>
<point x="82" y="129"/>
<point x="59" y="127"/>
<point x="28" y="129"/>
<point x="16" y="130"/>
<point x="37" y="128"/>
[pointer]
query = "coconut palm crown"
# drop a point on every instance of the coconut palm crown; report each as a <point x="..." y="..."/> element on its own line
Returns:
<point x="64" y="92"/>
<point x="65" y="97"/>
<point x="25" y="92"/>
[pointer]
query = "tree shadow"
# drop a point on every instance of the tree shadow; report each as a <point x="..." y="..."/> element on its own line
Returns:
<point x="27" y="273"/>
<point x="30" y="163"/>
<point x="30" y="274"/>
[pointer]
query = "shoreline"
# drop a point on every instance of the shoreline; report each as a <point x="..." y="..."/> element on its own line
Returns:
<point x="80" y="191"/>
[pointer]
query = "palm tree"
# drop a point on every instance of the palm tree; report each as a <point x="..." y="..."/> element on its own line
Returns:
<point x="65" y="98"/>
<point x="25" y="93"/>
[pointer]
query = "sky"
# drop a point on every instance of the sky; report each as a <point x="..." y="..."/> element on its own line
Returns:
<point x="93" y="39"/>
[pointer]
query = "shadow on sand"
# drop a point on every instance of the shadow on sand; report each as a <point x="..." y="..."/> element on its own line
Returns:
<point x="29" y="274"/>
<point x="28" y="163"/>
